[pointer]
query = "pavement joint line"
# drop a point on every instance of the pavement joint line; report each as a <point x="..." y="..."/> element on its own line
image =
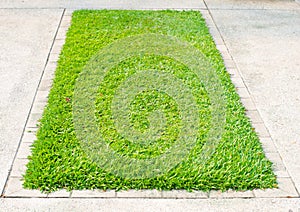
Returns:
<point x="286" y="185"/>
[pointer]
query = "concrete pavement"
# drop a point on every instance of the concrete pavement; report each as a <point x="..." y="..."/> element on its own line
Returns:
<point x="25" y="41"/>
<point x="263" y="38"/>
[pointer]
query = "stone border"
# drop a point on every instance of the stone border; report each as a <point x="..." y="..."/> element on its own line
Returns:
<point x="14" y="187"/>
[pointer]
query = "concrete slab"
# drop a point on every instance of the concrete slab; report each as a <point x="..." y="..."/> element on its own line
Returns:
<point x="63" y="204"/>
<point x="108" y="4"/>
<point x="25" y="42"/>
<point x="265" y="46"/>
<point x="252" y="5"/>
<point x="9" y="139"/>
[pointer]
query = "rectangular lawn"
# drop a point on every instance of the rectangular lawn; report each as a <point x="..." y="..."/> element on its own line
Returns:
<point x="59" y="159"/>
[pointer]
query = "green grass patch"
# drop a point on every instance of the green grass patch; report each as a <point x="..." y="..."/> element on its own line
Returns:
<point x="58" y="160"/>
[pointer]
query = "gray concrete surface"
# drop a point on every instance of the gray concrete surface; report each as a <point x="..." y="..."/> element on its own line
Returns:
<point x="252" y="4"/>
<point x="25" y="40"/>
<point x="263" y="38"/>
<point x="109" y="4"/>
<point x="59" y="204"/>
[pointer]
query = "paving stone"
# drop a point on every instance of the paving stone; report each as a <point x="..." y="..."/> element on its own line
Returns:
<point x="233" y="72"/>
<point x="28" y="137"/>
<point x="261" y="129"/>
<point x="45" y="84"/>
<point x="218" y="40"/>
<point x="139" y="194"/>
<point x="268" y="145"/>
<point x="275" y="158"/>
<point x="24" y="150"/>
<point x="286" y="189"/>
<point x="14" y="188"/>
<point x="38" y="107"/>
<point x="281" y="173"/>
<point x="238" y="82"/>
<point x="248" y="103"/>
<point x="222" y="48"/>
<point x="231" y="194"/>
<point x="19" y="167"/>
<point x="65" y="23"/>
<point x="33" y="119"/>
<point x="59" y="194"/>
<point x="68" y="12"/>
<point x="53" y="57"/>
<point x="48" y="75"/>
<point x="215" y="34"/>
<point x="57" y="46"/>
<point x="254" y="116"/>
<point x="67" y="18"/>
<point x="243" y="92"/>
<point x="224" y="52"/>
<point x="61" y="34"/>
<point x="229" y="64"/>
<point x="182" y="194"/>
<point x="50" y="68"/>
<point x="42" y="96"/>
<point x="31" y="129"/>
<point x="93" y="193"/>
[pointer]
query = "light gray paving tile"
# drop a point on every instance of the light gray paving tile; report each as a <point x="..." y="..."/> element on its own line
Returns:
<point x="219" y="41"/>
<point x="140" y="193"/>
<point x="48" y="75"/>
<point x="24" y="150"/>
<point x="268" y="145"/>
<point x="281" y="174"/>
<point x="50" y="67"/>
<point x="93" y="193"/>
<point x="229" y="64"/>
<point x="53" y="57"/>
<point x="233" y="72"/>
<point x="65" y="24"/>
<point x="42" y="96"/>
<point x="33" y="119"/>
<point x="224" y="52"/>
<point x="243" y="92"/>
<point x="215" y="34"/>
<point x="182" y="194"/>
<point x="69" y="12"/>
<point x="59" y="194"/>
<point x="275" y="158"/>
<point x="254" y="116"/>
<point x="38" y="107"/>
<point x="248" y="103"/>
<point x="45" y="84"/>
<point x="14" y="188"/>
<point x="222" y="48"/>
<point x="231" y="194"/>
<point x="31" y="129"/>
<point x="28" y="137"/>
<point x="261" y="129"/>
<point x="67" y="18"/>
<point x="238" y="82"/>
<point x="61" y="34"/>
<point x="19" y="167"/>
<point x="58" y="44"/>
<point x="286" y="189"/>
